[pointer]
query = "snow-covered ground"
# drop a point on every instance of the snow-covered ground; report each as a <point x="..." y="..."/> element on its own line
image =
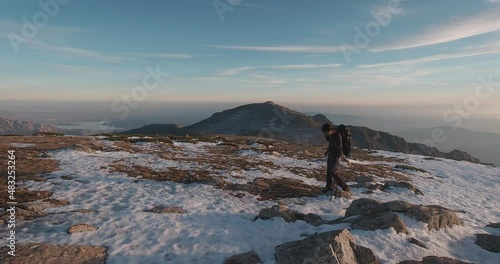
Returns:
<point x="219" y="225"/>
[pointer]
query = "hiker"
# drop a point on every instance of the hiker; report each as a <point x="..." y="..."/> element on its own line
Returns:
<point x="334" y="152"/>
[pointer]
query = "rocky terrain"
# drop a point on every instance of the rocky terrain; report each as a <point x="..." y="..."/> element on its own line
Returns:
<point x="232" y="199"/>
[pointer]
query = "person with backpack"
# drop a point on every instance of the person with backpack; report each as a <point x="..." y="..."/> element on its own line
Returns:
<point x="336" y="149"/>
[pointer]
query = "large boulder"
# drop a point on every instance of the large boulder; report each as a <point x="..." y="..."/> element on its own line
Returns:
<point x="383" y="220"/>
<point x="435" y="216"/>
<point x="245" y="258"/>
<point x="402" y="184"/>
<point x="279" y="210"/>
<point x="331" y="247"/>
<point x="398" y="206"/>
<point x="365" y="206"/>
<point x="372" y="215"/>
<point x="29" y="253"/>
<point x="313" y="219"/>
<point x="434" y="260"/>
<point x="488" y="242"/>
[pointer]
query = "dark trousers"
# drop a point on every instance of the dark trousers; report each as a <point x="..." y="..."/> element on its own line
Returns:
<point x="332" y="174"/>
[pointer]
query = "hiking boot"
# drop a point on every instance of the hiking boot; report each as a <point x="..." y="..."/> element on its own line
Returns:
<point x="325" y="190"/>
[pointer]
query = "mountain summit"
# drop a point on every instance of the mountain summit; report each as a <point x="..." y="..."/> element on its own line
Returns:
<point x="271" y="120"/>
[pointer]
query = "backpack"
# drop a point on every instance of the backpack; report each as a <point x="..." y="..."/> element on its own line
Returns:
<point x="346" y="139"/>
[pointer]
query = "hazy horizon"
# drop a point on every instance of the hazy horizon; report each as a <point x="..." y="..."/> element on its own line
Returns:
<point x="187" y="113"/>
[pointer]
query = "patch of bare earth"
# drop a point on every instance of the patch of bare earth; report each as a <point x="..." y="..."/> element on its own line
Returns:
<point x="41" y="253"/>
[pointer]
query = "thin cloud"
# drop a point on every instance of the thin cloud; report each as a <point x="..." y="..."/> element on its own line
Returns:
<point x="167" y="55"/>
<point x="74" y="51"/>
<point x="237" y="71"/>
<point x="203" y="79"/>
<point x="66" y="67"/>
<point x="289" y="49"/>
<point x="479" y="24"/>
<point x="466" y="52"/>
<point x="376" y="77"/>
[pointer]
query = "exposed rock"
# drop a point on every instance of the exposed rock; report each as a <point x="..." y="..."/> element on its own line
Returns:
<point x="365" y="206"/>
<point x="279" y="210"/>
<point x="383" y="220"/>
<point x="78" y="228"/>
<point x="406" y="167"/>
<point x="488" y="242"/>
<point x="417" y="242"/>
<point x="364" y="179"/>
<point x="84" y="211"/>
<point x="166" y="210"/>
<point x="398" y="206"/>
<point x="376" y="186"/>
<point x="434" y="260"/>
<point x="407" y="185"/>
<point x="435" y="216"/>
<point x="494" y="225"/>
<point x="29" y="253"/>
<point x="245" y="258"/>
<point x="313" y="219"/>
<point x="331" y="247"/>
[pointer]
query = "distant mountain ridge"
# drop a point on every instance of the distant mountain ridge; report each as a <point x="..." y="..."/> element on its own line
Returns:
<point x="275" y="121"/>
<point x="16" y="127"/>
<point x="485" y="146"/>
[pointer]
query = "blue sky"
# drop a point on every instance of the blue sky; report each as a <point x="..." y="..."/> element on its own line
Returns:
<point x="430" y="53"/>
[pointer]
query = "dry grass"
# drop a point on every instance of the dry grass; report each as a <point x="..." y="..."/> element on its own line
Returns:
<point x="32" y="162"/>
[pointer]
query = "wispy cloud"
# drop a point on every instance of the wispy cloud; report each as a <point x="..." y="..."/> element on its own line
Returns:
<point x="202" y="79"/>
<point x="379" y="77"/>
<point x="258" y="80"/>
<point x="466" y="52"/>
<point x="456" y="29"/>
<point x="287" y="48"/>
<point x="78" y="52"/>
<point x="166" y="55"/>
<point x="66" y="67"/>
<point x="236" y="71"/>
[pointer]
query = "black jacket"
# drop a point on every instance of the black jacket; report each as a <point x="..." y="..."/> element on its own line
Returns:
<point x="334" y="144"/>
